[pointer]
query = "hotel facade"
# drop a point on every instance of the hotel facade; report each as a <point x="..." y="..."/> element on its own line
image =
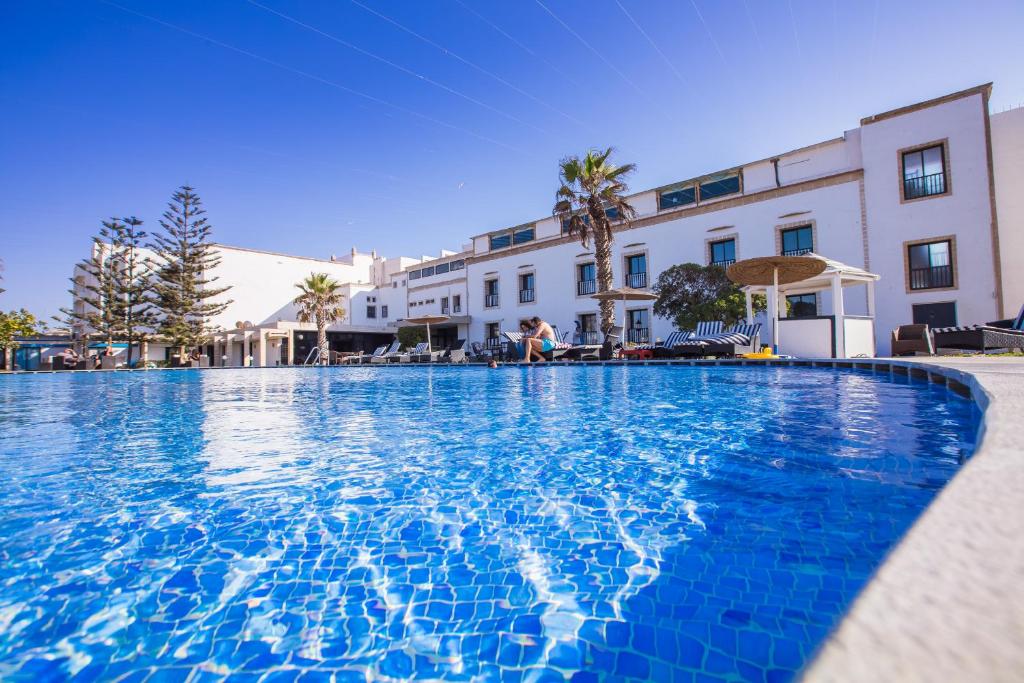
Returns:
<point x="930" y="197"/>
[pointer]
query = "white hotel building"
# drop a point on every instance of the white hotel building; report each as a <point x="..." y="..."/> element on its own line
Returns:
<point x="930" y="197"/>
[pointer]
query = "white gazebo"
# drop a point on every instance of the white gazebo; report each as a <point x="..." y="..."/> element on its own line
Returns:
<point x="835" y="335"/>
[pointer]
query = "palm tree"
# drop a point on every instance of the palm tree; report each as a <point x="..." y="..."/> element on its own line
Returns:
<point x="591" y="188"/>
<point x="320" y="302"/>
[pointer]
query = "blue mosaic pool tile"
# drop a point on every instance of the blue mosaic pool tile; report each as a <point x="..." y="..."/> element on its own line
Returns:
<point x="398" y="540"/>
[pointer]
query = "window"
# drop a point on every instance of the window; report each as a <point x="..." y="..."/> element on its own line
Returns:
<point x="371" y="311"/>
<point x="931" y="264"/>
<point x="522" y="236"/>
<point x="719" y="187"/>
<point x="802" y="305"/>
<point x="492" y="331"/>
<point x="526" y="292"/>
<point x="394" y="284"/>
<point x="797" y="241"/>
<point x="677" y="197"/>
<point x="565" y="223"/>
<point x="428" y="271"/>
<point x="457" y="303"/>
<point x="444" y="305"/>
<point x="723" y="252"/>
<point x="636" y="271"/>
<point x="588" y="333"/>
<point x="612" y="213"/>
<point x="924" y="172"/>
<point x="501" y="241"/>
<point x="458" y="265"/>
<point x="490" y="293"/>
<point x="586" y="279"/>
<point x="384" y="311"/>
<point x="414" y="275"/>
<point x="638" y="326"/>
<point x="442" y="268"/>
<point x="935" y="315"/>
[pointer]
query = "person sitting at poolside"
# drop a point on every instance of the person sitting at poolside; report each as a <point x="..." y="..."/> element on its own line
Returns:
<point x="526" y="330"/>
<point x="542" y="341"/>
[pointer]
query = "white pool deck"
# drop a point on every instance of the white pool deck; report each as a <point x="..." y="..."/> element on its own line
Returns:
<point x="947" y="604"/>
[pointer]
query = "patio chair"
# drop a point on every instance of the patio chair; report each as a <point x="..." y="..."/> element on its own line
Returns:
<point x="740" y="338"/>
<point x="411" y="356"/>
<point x="390" y="355"/>
<point x="366" y="357"/>
<point x="909" y="340"/>
<point x="481" y="354"/>
<point x="456" y="354"/>
<point x="595" y="351"/>
<point x="695" y="344"/>
<point x="1000" y="334"/>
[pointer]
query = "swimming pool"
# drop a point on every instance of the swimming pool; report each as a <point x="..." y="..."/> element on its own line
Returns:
<point x="547" y="523"/>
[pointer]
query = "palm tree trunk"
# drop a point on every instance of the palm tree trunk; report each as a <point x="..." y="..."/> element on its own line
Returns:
<point x="603" y="258"/>
<point x="321" y="341"/>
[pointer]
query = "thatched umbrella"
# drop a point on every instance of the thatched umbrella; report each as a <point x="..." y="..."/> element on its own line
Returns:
<point x="775" y="271"/>
<point x="427" y="320"/>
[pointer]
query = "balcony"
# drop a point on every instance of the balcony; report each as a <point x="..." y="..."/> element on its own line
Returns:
<point x="924" y="186"/>
<point x="526" y="296"/>
<point x="492" y="343"/>
<point x="796" y="252"/>
<point x="724" y="263"/>
<point x="490" y="301"/>
<point x="935" y="277"/>
<point x="590" y="337"/>
<point x="585" y="287"/>
<point x="444" y="310"/>
<point x="457" y="308"/>
<point x="638" y="335"/>
<point x="636" y="280"/>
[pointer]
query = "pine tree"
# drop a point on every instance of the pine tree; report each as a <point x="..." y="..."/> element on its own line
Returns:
<point x="95" y="285"/>
<point x="133" y="277"/>
<point x="184" y="259"/>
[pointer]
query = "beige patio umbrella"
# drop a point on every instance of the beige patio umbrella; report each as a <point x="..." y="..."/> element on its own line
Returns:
<point x="624" y="294"/>
<point x="775" y="271"/>
<point x="427" y="320"/>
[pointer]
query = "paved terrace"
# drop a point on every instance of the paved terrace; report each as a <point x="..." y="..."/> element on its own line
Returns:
<point x="948" y="602"/>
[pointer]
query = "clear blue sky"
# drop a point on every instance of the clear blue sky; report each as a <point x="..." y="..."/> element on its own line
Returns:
<point x="409" y="126"/>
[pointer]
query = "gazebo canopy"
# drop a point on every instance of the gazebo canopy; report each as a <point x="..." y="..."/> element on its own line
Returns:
<point x="848" y="277"/>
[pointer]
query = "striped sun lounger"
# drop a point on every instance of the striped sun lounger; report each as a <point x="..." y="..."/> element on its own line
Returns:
<point x="670" y="342"/>
<point x="1006" y="334"/>
<point x="740" y="338"/>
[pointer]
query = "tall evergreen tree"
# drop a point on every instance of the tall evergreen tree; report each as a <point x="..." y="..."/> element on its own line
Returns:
<point x="184" y="259"/>
<point x="133" y="276"/>
<point x="95" y="285"/>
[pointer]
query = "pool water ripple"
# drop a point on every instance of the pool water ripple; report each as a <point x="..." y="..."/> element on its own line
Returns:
<point x="587" y="523"/>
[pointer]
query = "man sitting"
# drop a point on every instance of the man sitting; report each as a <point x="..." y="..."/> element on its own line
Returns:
<point x="542" y="341"/>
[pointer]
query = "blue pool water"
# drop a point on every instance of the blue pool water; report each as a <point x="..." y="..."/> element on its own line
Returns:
<point x="541" y="524"/>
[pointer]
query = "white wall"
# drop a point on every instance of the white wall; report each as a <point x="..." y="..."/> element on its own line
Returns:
<point x="1008" y="163"/>
<point x="835" y="211"/>
<point x="964" y="213"/>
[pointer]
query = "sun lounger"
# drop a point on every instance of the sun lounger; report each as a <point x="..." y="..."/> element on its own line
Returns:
<point x="482" y="354"/>
<point x="391" y="355"/>
<point x="365" y="358"/>
<point x="1001" y="334"/>
<point x="456" y="354"/>
<point x="740" y="338"/>
<point x="593" y="351"/>
<point x="664" y="349"/>
<point x="411" y="356"/>
<point x="695" y="344"/>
